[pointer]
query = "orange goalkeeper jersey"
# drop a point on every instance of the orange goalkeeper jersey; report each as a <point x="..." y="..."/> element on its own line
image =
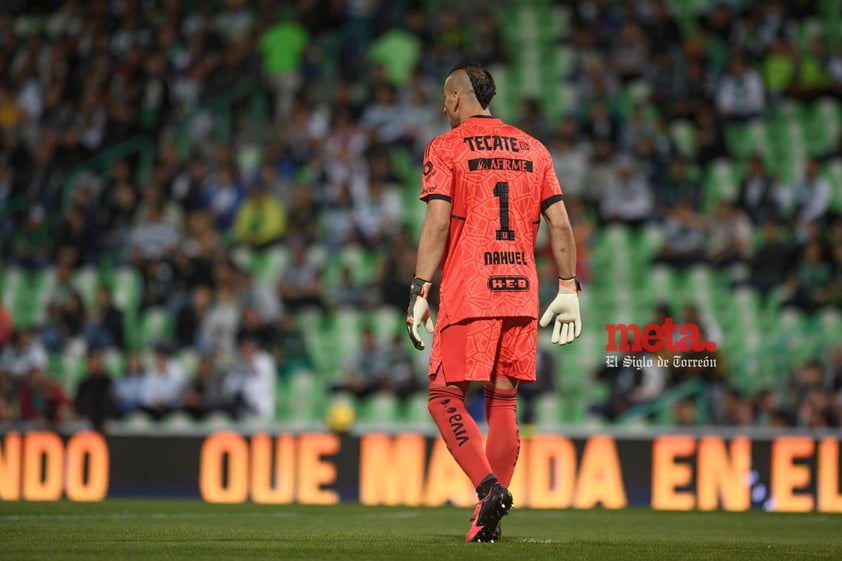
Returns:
<point x="498" y="179"/>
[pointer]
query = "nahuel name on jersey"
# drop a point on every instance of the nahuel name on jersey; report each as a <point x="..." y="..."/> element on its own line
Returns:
<point x="505" y="258"/>
<point x="494" y="142"/>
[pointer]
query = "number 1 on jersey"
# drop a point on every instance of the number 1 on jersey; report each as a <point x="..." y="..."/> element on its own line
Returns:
<point x="501" y="191"/>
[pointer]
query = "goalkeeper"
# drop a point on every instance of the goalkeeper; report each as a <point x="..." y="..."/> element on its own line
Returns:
<point x="486" y="185"/>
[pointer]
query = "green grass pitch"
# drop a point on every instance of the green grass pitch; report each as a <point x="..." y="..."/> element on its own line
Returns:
<point x="191" y="530"/>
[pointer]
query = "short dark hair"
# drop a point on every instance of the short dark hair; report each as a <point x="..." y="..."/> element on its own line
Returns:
<point x="481" y="81"/>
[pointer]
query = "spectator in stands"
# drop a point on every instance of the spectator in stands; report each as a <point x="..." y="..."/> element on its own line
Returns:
<point x="7" y="323"/>
<point x="290" y="348"/>
<point x="773" y="259"/>
<point x="304" y="216"/>
<point x="187" y="188"/>
<point x="32" y="244"/>
<point x="630" y="52"/>
<point x="78" y="227"/>
<point x="832" y="379"/>
<point x="778" y="67"/>
<point x="283" y="46"/>
<point x="759" y="195"/>
<point x="570" y="158"/>
<point x="740" y="95"/>
<point x="261" y="219"/>
<point x="189" y="318"/>
<point x="204" y="393"/>
<point x="158" y="282"/>
<point x="601" y="173"/>
<point x="810" y="196"/>
<point x="300" y="284"/>
<point x="486" y="44"/>
<point x="129" y="387"/>
<point x="339" y="227"/>
<point x="808" y="283"/>
<point x="42" y="400"/>
<point x="104" y="324"/>
<point x="65" y="324"/>
<point x="731" y="239"/>
<point x="220" y="324"/>
<point x="163" y="384"/>
<point x="222" y="195"/>
<point x="601" y="124"/>
<point x="116" y="216"/>
<point x="398" y="48"/>
<point x="377" y="217"/>
<point x="367" y="369"/>
<point x="545" y="365"/>
<point x="95" y="396"/>
<point x="766" y="406"/>
<point x="834" y="289"/>
<point x="694" y="91"/>
<point x="685" y="413"/>
<point x="252" y="380"/>
<point x="200" y="248"/>
<point x="811" y="78"/>
<point x="403" y="379"/>
<point x="155" y="206"/>
<point x="259" y="296"/>
<point x="23" y="354"/>
<point x="685" y="233"/>
<point x="253" y="326"/>
<point x="384" y="120"/>
<point x="399" y="260"/>
<point x="153" y="238"/>
<point x="531" y="120"/>
<point x="628" y="199"/>
<point x="813" y="403"/>
<point x="709" y="140"/>
<point x="351" y="292"/>
<point x="677" y="187"/>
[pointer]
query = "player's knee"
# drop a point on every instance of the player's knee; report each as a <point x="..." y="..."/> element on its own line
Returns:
<point x="444" y="396"/>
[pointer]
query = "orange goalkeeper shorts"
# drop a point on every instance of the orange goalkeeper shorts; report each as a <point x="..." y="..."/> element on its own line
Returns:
<point x="477" y="349"/>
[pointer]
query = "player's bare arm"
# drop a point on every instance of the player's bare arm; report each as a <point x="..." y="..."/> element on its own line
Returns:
<point x="564" y="309"/>
<point x="431" y="246"/>
<point x="562" y="242"/>
<point x="433" y="238"/>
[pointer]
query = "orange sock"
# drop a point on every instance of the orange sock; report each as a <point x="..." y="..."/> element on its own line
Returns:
<point x="459" y="431"/>
<point x="503" y="444"/>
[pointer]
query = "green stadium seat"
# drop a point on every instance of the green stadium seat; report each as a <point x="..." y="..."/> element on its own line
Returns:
<point x="243" y="257"/>
<point x="137" y="421"/>
<point x="73" y="369"/>
<point x="548" y="410"/>
<point x="306" y="396"/>
<point x="683" y="133"/>
<point x="126" y="287"/>
<point x="86" y="280"/>
<point x="824" y="125"/>
<point x="115" y="362"/>
<point x="387" y="322"/>
<point x="156" y="325"/>
<point x="721" y="182"/>
<point x="188" y="359"/>
<point x="380" y="409"/>
<point x="179" y="420"/>
<point x="417" y="416"/>
<point x="833" y="172"/>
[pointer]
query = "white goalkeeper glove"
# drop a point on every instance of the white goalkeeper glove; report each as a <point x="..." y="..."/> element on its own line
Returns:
<point x="565" y="310"/>
<point x="418" y="311"/>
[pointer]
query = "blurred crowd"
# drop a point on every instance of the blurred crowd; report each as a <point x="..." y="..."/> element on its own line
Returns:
<point x="352" y="90"/>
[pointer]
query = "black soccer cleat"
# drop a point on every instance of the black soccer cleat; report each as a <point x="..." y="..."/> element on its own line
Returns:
<point x="485" y="526"/>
